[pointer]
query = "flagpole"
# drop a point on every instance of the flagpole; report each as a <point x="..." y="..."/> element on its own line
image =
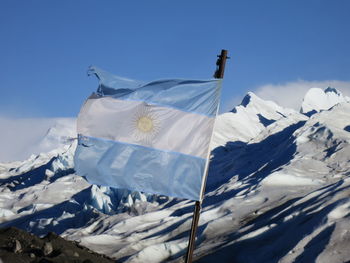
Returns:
<point x="219" y="74"/>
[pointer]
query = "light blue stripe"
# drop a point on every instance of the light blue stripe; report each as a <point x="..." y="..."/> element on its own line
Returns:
<point x="139" y="168"/>
<point x="197" y="96"/>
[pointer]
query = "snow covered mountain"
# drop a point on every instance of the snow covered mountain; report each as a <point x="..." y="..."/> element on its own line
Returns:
<point x="278" y="191"/>
<point x="317" y="99"/>
<point x="247" y="120"/>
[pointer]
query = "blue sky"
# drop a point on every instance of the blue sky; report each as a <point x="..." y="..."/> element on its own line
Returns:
<point x="47" y="46"/>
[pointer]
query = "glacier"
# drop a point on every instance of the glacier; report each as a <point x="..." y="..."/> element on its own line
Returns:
<point x="278" y="190"/>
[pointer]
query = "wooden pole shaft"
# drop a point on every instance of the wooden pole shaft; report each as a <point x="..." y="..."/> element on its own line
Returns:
<point x="194" y="226"/>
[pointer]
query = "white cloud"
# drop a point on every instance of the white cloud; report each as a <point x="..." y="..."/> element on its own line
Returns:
<point x="19" y="138"/>
<point x="291" y="94"/>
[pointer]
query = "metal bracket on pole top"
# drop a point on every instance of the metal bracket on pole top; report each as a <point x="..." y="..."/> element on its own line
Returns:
<point x="220" y="64"/>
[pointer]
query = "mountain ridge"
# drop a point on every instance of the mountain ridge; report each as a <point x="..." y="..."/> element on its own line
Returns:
<point x="283" y="171"/>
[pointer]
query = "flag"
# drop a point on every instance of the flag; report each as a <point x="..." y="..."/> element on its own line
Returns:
<point x="151" y="137"/>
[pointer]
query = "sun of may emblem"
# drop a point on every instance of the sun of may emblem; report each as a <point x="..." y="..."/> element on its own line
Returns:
<point x="146" y="124"/>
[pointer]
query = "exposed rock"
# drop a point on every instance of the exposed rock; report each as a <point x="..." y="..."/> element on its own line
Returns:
<point x="19" y="246"/>
<point x="47" y="248"/>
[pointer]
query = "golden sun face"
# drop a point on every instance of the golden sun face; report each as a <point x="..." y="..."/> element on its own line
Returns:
<point x="145" y="124"/>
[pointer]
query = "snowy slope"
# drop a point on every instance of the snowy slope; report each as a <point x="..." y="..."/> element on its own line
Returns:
<point x="295" y="192"/>
<point x="278" y="191"/>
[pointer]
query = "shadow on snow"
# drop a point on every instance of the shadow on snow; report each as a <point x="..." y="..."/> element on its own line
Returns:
<point x="73" y="212"/>
<point x="275" y="243"/>
<point x="249" y="163"/>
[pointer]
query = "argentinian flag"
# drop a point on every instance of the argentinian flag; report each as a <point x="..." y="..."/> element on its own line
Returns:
<point x="151" y="137"/>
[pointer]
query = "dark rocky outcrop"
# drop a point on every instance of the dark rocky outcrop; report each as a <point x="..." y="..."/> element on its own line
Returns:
<point x="19" y="246"/>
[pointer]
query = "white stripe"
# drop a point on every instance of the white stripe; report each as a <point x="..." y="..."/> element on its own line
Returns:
<point x="147" y="125"/>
